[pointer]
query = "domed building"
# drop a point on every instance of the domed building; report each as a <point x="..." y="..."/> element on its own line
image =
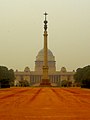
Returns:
<point x="35" y="77"/>
<point x="45" y="72"/>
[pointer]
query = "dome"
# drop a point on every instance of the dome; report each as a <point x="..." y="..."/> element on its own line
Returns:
<point x="26" y="69"/>
<point x="63" y="69"/>
<point x="40" y="55"/>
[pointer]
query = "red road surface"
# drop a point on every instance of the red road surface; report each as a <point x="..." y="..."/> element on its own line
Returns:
<point x="44" y="104"/>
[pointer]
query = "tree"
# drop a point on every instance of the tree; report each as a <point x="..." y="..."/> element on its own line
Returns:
<point x="24" y="83"/>
<point x="11" y="77"/>
<point x="3" y="72"/>
<point x="6" y="77"/>
<point x="78" y="76"/>
<point x="4" y="83"/>
<point x="82" y="76"/>
<point x="64" y="83"/>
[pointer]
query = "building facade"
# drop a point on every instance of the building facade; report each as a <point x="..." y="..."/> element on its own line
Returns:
<point x="34" y="78"/>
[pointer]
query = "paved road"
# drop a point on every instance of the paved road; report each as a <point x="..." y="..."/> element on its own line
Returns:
<point x="44" y="104"/>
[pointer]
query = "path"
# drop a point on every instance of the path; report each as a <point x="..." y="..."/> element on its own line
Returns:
<point x="44" y="104"/>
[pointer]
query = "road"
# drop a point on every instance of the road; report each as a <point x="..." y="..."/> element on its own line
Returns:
<point x="44" y="104"/>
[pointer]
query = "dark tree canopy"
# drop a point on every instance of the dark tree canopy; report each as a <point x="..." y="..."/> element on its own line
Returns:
<point x="24" y="83"/>
<point x="6" y="77"/>
<point x="11" y="77"/>
<point x="82" y="76"/>
<point x="64" y="83"/>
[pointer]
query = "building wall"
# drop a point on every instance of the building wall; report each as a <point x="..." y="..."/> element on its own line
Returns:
<point x="34" y="77"/>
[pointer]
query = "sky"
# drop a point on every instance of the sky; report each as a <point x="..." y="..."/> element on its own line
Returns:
<point x="21" y="32"/>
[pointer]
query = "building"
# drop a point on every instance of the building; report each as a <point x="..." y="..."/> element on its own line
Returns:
<point x="34" y="77"/>
<point x="45" y="69"/>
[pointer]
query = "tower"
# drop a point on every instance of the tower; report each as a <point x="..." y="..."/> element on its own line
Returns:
<point x="45" y="77"/>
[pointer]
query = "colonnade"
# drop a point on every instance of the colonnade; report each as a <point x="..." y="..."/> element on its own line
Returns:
<point x="34" y="79"/>
<point x="38" y="78"/>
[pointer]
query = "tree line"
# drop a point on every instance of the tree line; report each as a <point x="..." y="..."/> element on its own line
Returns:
<point x="82" y="77"/>
<point x="6" y="77"/>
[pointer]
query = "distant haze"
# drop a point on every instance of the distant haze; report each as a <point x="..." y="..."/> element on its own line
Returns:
<point x="21" y="32"/>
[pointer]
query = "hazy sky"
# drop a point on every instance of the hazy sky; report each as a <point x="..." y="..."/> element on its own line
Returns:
<point x="21" y="32"/>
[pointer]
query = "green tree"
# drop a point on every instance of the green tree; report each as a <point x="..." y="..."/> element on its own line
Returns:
<point x="64" y="83"/>
<point x="78" y="76"/>
<point x="24" y="83"/>
<point x="3" y="72"/>
<point x="11" y="77"/>
<point x="6" y="77"/>
<point x="82" y="76"/>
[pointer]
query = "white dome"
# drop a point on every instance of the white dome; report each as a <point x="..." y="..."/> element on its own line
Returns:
<point x="40" y="56"/>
